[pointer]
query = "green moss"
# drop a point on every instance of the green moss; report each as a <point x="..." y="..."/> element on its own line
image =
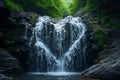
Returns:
<point x="12" y="6"/>
<point x="99" y="36"/>
<point x="33" y="18"/>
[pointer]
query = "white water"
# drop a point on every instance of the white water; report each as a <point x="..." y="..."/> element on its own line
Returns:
<point x="55" y="73"/>
<point x="57" y="46"/>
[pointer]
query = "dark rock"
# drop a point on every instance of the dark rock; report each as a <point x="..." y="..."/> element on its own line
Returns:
<point x="3" y="10"/>
<point x="7" y="62"/>
<point x="91" y="21"/>
<point x="2" y="37"/>
<point x="4" y="13"/>
<point x="2" y="77"/>
<point x="89" y="18"/>
<point x="108" y="67"/>
<point x="92" y="48"/>
<point x="17" y="35"/>
<point x="1" y="4"/>
<point x="80" y="13"/>
<point x="29" y="17"/>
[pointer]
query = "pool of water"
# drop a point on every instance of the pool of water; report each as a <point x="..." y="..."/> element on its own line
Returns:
<point x="54" y="73"/>
<point x="50" y="76"/>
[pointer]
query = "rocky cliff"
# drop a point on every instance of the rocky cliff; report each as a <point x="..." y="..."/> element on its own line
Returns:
<point x="13" y="47"/>
<point x="107" y="64"/>
<point x="14" y="50"/>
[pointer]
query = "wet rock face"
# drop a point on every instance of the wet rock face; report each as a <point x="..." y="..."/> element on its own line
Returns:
<point x="14" y="30"/>
<point x="14" y="33"/>
<point x="7" y="62"/>
<point x="108" y="68"/>
<point x="108" y="64"/>
<point x="91" y="21"/>
<point x="92" y="48"/>
<point x="2" y="77"/>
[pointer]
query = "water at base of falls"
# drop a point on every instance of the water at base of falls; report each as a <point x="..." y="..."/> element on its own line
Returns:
<point x="49" y="77"/>
<point x="58" y="45"/>
<point x="54" y="73"/>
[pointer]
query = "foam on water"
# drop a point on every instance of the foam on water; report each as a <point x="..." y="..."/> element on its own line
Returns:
<point x="54" y="73"/>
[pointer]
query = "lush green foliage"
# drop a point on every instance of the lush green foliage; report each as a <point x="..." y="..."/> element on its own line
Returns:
<point x="12" y="6"/>
<point x="54" y="8"/>
<point x="107" y="10"/>
<point x="58" y="8"/>
<point x="99" y="36"/>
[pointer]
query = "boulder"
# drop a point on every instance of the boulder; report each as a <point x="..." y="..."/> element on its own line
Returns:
<point x="107" y="66"/>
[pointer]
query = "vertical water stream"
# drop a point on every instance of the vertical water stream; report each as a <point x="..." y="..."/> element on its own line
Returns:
<point x="58" y="45"/>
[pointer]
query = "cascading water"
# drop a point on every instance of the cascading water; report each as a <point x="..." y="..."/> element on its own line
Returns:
<point x="58" y="45"/>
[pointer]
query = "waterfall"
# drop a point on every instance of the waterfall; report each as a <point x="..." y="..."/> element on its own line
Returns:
<point x="58" y="45"/>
